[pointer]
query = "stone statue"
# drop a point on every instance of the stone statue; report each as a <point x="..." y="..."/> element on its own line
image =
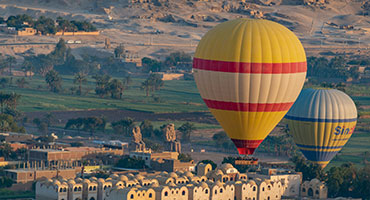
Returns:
<point x="137" y="143"/>
<point x="171" y="144"/>
<point x="169" y="132"/>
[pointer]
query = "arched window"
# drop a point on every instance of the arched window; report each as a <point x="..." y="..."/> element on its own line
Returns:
<point x="90" y="188"/>
<point x="64" y="189"/>
<point x="317" y="192"/>
<point x="165" y="193"/>
<point x="310" y="192"/>
<point x="303" y="189"/>
<point x="183" y="193"/>
<point x="132" y="196"/>
<point x="263" y="189"/>
<point x="150" y="195"/>
<point x="75" y="189"/>
<point x="215" y="191"/>
<point x="105" y="187"/>
<point x="92" y="198"/>
<point x="79" y="188"/>
<point x="254" y="188"/>
<point x="221" y="190"/>
<point x="269" y="187"/>
<point x="268" y="198"/>
<point x="61" y="190"/>
<point x="206" y="191"/>
<point x="94" y="188"/>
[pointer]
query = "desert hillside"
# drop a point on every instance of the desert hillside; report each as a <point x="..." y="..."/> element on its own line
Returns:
<point x="155" y="27"/>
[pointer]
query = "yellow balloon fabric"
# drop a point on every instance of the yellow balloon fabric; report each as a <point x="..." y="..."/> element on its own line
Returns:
<point x="321" y="122"/>
<point x="249" y="72"/>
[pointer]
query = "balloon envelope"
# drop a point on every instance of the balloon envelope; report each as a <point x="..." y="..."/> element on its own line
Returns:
<point x="321" y="122"/>
<point x="249" y="72"/>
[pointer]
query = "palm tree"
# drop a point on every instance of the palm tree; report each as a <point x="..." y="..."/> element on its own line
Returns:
<point x="119" y="51"/>
<point x="54" y="81"/>
<point x="9" y="62"/>
<point x="101" y="82"/>
<point x="146" y="85"/>
<point x="186" y="130"/>
<point x="14" y="97"/>
<point x="116" y="88"/>
<point x="21" y="82"/>
<point x="127" y="81"/>
<point x="27" y="68"/>
<point x="4" y="100"/>
<point x="80" y="78"/>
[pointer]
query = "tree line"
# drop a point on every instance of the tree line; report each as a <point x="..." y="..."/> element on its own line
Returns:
<point x="125" y="126"/>
<point x="321" y="67"/>
<point x="46" y="25"/>
<point x="176" y="60"/>
<point x="344" y="181"/>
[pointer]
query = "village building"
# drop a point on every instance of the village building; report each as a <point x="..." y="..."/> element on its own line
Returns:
<point x="15" y="137"/>
<point x="290" y="181"/>
<point x="68" y="154"/>
<point x="181" y="185"/>
<point x="147" y="155"/>
<point x="314" y="189"/>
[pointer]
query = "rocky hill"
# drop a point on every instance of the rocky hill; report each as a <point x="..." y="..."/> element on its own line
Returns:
<point x="154" y="27"/>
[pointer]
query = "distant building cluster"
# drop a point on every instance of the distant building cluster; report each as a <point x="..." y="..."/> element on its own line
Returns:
<point x="223" y="183"/>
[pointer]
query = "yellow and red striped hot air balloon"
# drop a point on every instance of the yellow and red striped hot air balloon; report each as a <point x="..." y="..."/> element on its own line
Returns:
<point x="249" y="72"/>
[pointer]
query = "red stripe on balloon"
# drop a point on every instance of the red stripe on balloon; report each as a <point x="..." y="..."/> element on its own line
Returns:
<point x="252" y="68"/>
<point x="246" y="147"/>
<point x="248" y="107"/>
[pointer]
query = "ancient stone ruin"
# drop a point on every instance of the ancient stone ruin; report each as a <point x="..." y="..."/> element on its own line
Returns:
<point x="137" y="143"/>
<point x="170" y="141"/>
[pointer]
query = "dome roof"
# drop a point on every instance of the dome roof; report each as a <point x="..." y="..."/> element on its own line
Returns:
<point x="226" y="166"/>
<point x="173" y="175"/>
<point x="219" y="172"/>
<point x="251" y="182"/>
<point x="139" y="177"/>
<point x="218" y="183"/>
<point x="203" y="185"/>
<point x="171" y="184"/>
<point x="123" y="178"/>
<point x="100" y="180"/>
<point x="189" y="174"/>
<point x="164" y="173"/>
<point x="113" y="176"/>
<point x="56" y="182"/>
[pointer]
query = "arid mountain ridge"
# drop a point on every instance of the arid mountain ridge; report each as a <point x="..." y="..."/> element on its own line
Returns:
<point x="169" y="25"/>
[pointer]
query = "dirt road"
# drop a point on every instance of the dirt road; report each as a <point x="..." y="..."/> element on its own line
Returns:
<point x="114" y="115"/>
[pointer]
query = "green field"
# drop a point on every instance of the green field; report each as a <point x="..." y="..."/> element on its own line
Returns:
<point x="176" y="96"/>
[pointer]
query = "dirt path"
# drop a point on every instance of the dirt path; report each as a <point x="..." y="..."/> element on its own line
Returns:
<point x="114" y="115"/>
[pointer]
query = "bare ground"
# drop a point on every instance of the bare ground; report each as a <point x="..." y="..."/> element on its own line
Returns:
<point x="114" y="115"/>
